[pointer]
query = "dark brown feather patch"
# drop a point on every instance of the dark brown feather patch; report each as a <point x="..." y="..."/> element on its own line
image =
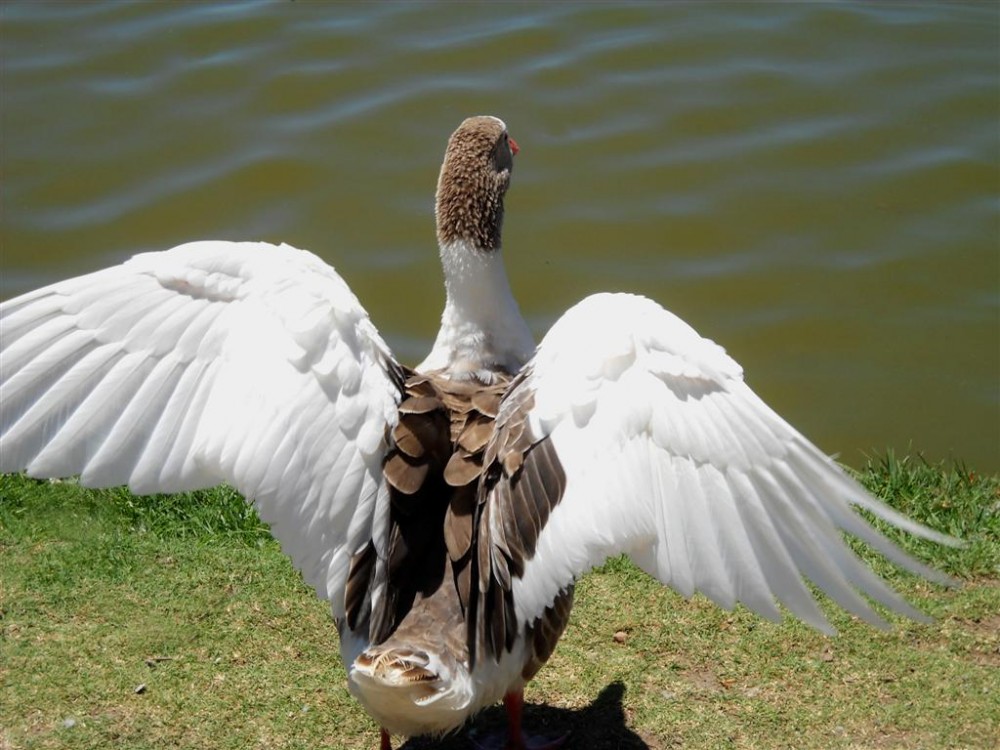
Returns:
<point x="471" y="491"/>
<point x="433" y="466"/>
<point x="523" y="481"/>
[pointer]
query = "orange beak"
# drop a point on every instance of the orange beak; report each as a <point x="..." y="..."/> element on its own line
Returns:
<point x="514" y="148"/>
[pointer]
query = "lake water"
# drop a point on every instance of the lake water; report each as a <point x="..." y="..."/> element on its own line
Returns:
<point x="813" y="186"/>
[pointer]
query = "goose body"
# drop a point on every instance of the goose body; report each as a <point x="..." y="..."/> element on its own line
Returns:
<point x="445" y="511"/>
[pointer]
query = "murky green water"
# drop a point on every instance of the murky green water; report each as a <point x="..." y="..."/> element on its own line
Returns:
<point x="814" y="186"/>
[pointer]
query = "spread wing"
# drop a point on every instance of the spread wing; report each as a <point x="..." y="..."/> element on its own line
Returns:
<point x="213" y="362"/>
<point x="629" y="432"/>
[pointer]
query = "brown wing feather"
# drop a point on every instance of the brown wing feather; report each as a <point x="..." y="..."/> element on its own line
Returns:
<point x="523" y="481"/>
<point x="544" y="633"/>
<point x="469" y="483"/>
<point x="433" y="466"/>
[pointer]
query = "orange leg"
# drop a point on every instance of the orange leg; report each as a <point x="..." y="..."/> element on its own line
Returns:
<point x="514" y="703"/>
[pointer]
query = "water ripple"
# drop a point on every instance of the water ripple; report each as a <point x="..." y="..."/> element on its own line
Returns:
<point x="807" y="181"/>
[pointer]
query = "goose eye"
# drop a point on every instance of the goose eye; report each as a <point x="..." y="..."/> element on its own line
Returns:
<point x="503" y="154"/>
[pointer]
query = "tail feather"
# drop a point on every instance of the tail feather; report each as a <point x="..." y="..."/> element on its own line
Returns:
<point x="398" y="667"/>
<point x="411" y="691"/>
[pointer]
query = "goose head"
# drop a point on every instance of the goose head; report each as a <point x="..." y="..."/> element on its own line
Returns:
<point x="472" y="184"/>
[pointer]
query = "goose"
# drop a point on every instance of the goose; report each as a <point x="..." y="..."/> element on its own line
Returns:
<point x="445" y="510"/>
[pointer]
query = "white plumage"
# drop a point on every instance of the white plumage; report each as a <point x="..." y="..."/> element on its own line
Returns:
<point x="670" y="457"/>
<point x="245" y="363"/>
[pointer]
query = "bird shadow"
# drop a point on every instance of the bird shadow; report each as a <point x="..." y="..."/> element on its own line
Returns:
<point x="599" y="726"/>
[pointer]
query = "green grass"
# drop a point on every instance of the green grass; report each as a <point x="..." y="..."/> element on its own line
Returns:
<point x="190" y="598"/>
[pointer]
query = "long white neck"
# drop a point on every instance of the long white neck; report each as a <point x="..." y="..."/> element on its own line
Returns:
<point x="482" y="330"/>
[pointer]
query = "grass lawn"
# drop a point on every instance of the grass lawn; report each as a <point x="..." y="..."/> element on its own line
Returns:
<point x="177" y="622"/>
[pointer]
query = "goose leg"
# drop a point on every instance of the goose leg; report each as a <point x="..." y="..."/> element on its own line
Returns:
<point x="516" y="739"/>
<point x="386" y="743"/>
<point x="514" y="703"/>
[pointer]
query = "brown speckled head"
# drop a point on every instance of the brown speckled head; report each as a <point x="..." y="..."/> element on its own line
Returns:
<point x="473" y="180"/>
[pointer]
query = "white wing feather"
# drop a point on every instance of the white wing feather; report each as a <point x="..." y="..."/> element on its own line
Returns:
<point x="213" y="362"/>
<point x="670" y="457"/>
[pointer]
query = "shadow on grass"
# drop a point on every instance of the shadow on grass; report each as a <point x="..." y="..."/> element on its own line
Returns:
<point x="599" y="726"/>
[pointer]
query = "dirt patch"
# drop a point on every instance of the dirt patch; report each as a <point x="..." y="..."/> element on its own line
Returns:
<point x="703" y="680"/>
